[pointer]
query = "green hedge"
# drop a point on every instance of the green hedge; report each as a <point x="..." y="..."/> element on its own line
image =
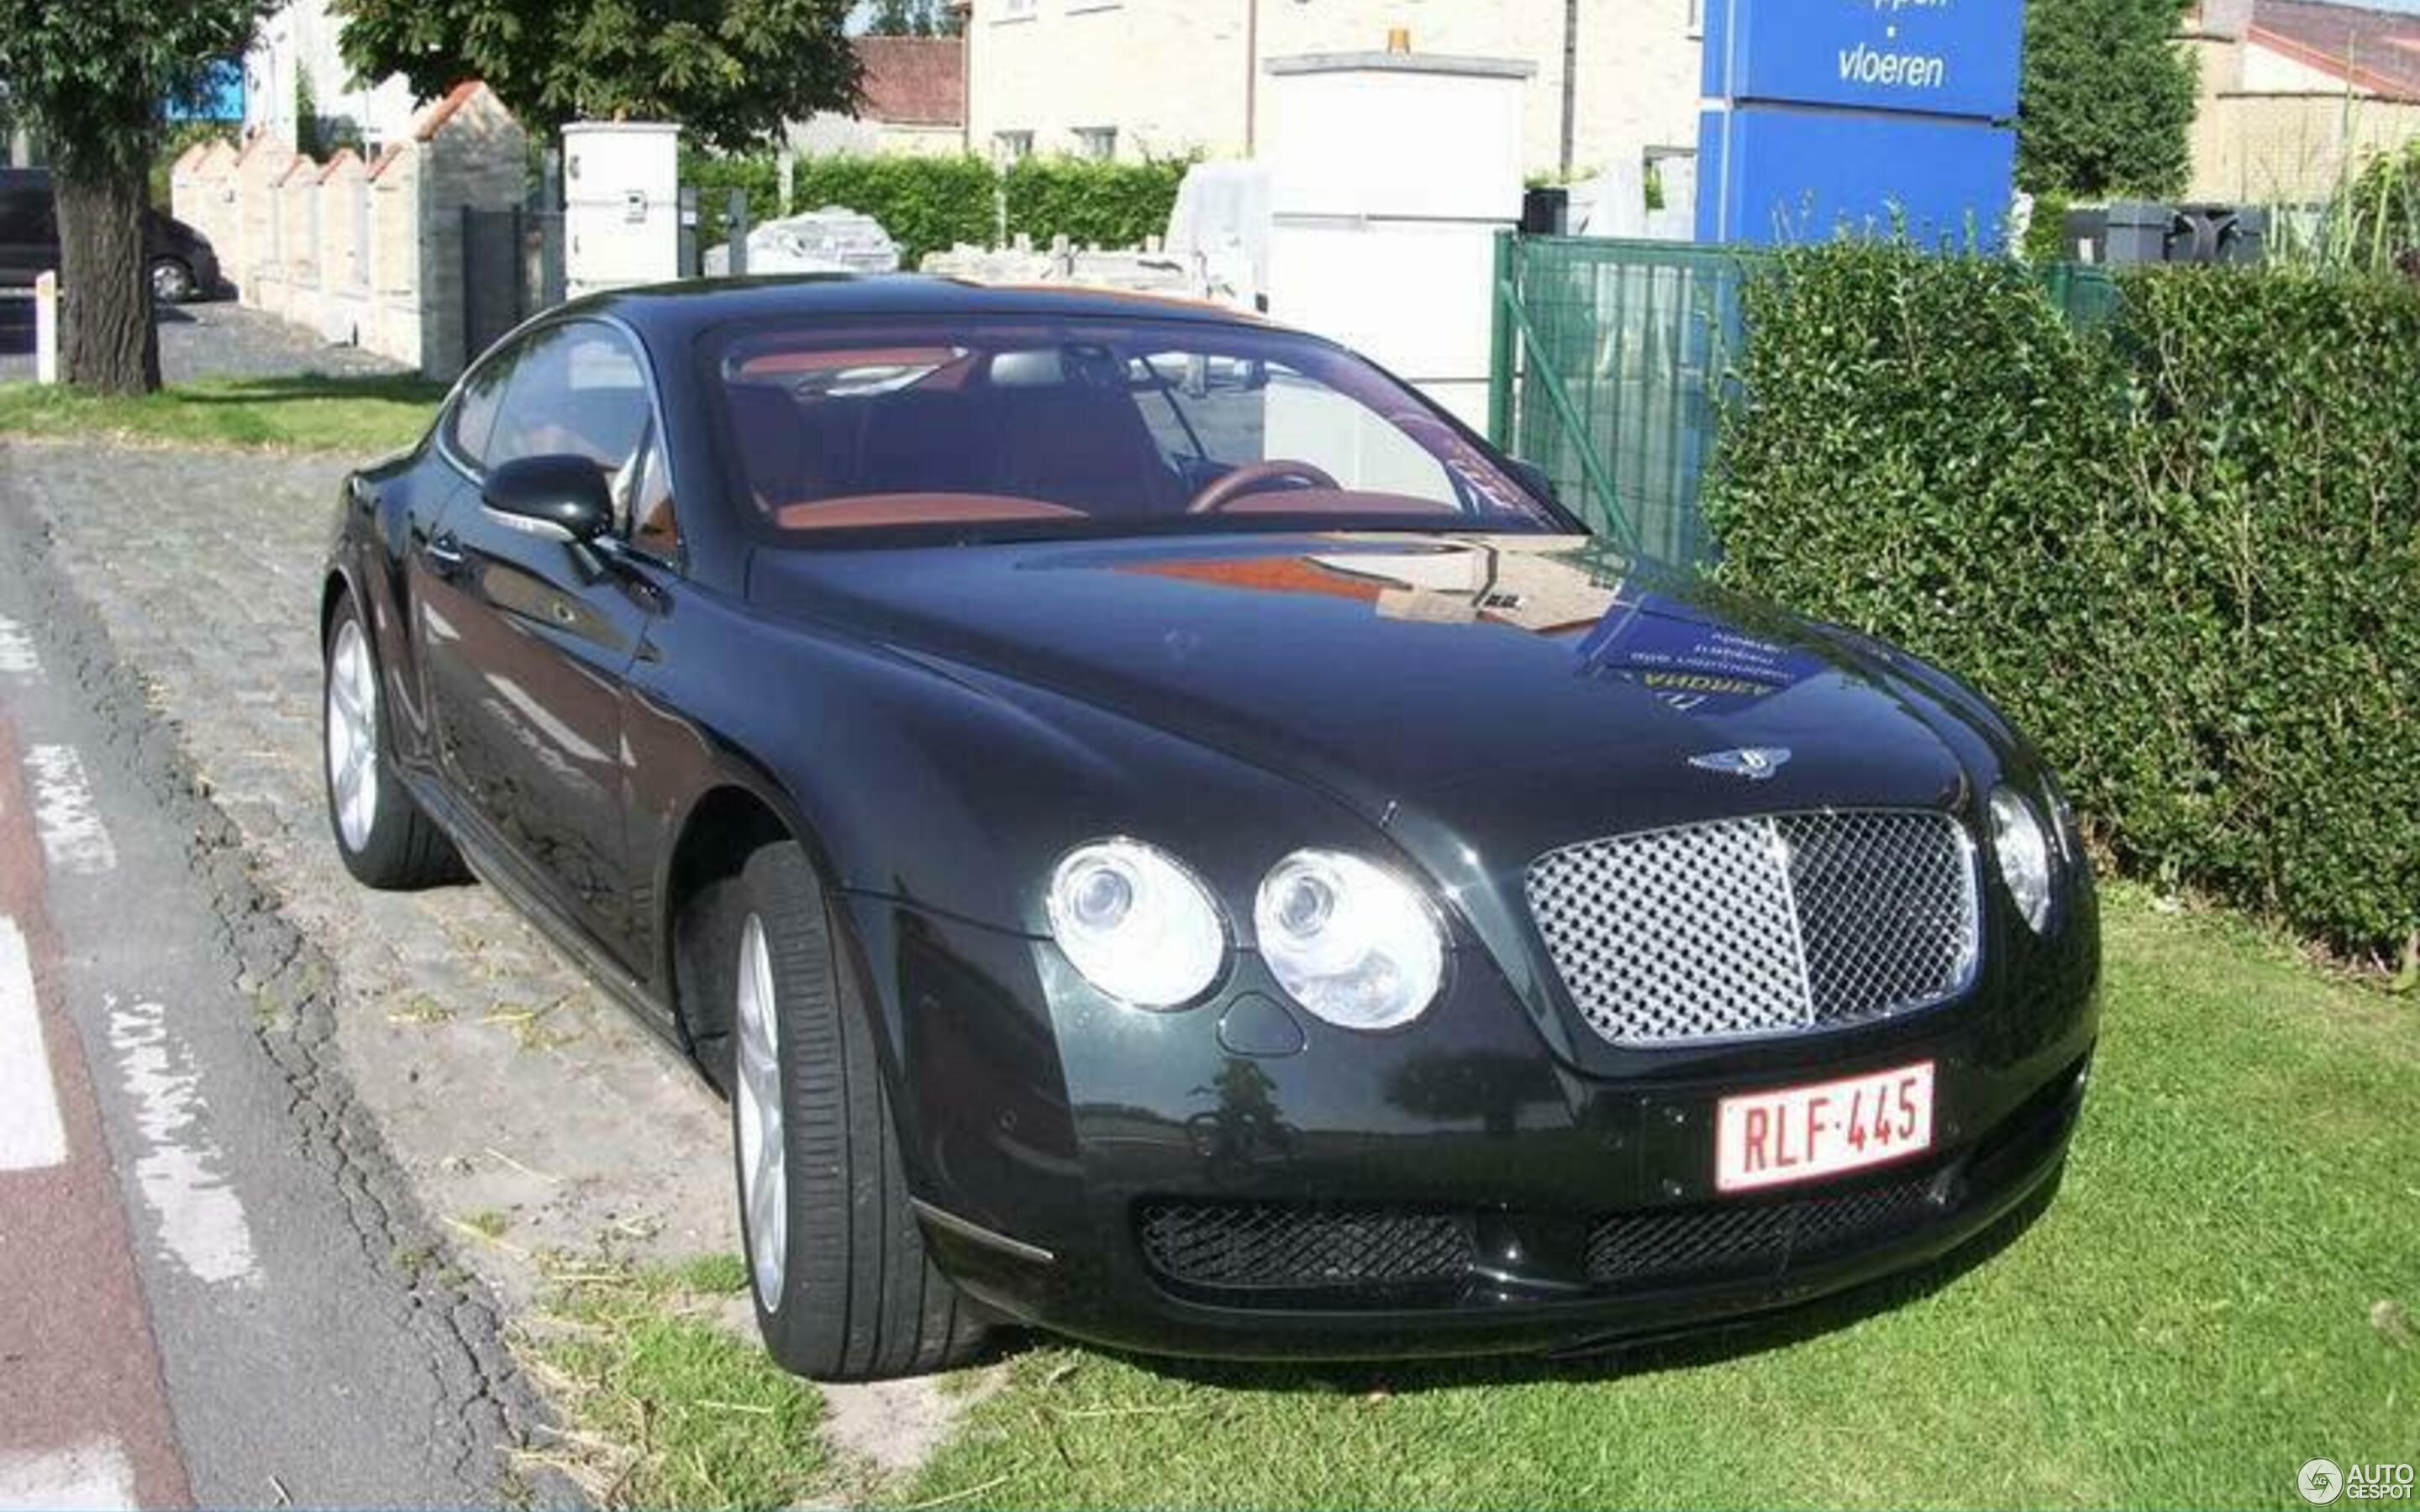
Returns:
<point x="715" y="174"/>
<point x="2182" y="549"/>
<point x="933" y="204"/>
<point x="926" y="204"/>
<point x="1091" y="203"/>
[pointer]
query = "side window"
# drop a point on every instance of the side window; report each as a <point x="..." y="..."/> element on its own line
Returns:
<point x="576" y="389"/>
<point x="647" y="502"/>
<point x="475" y="412"/>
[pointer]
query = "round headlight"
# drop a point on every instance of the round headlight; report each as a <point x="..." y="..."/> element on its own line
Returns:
<point x="2022" y="848"/>
<point x="1353" y="944"/>
<point x="1136" y="923"/>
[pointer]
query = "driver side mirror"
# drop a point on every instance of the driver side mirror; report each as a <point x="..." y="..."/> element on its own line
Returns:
<point x="560" y="498"/>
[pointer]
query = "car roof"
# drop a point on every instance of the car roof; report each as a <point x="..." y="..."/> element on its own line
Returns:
<point x="671" y="312"/>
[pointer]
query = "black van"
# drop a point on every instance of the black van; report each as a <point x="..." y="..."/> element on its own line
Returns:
<point x="183" y="265"/>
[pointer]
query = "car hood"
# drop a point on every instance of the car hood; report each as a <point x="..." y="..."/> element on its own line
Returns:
<point x="1511" y="692"/>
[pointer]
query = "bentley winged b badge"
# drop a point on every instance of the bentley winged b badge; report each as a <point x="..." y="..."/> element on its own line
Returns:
<point x="1758" y="764"/>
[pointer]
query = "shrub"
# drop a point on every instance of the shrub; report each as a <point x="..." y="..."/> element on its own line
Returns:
<point x="716" y="175"/>
<point x="1091" y="203"/>
<point x="932" y="204"/>
<point x="2382" y="212"/>
<point x="926" y="204"/>
<point x="2182" y="549"/>
<point x="2109" y="99"/>
<point x="2046" y="236"/>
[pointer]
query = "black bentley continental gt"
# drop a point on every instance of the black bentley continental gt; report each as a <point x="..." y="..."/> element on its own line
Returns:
<point x="1163" y="834"/>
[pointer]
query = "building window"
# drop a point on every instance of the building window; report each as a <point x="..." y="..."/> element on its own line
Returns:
<point x="1096" y="144"/>
<point x="1011" y="147"/>
<point x="1697" y="18"/>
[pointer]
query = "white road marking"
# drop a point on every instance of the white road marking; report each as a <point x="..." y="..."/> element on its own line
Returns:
<point x="17" y="655"/>
<point x="91" y="1474"/>
<point x="74" y="836"/>
<point x="32" y="1138"/>
<point x="201" y="1219"/>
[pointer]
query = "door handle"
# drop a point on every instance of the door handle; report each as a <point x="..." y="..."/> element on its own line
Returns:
<point x="446" y="555"/>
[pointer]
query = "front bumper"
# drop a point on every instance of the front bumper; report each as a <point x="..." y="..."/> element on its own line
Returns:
<point x="1062" y="1144"/>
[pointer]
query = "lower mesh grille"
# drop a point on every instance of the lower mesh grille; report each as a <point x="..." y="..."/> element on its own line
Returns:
<point x="1275" y="1247"/>
<point x="1710" y="1243"/>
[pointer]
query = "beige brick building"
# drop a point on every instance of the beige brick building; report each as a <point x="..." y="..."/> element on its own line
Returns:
<point x="2296" y="95"/>
<point x="1136" y="78"/>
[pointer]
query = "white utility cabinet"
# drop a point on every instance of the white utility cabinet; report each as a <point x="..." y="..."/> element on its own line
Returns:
<point x="1391" y="173"/>
<point x="621" y="211"/>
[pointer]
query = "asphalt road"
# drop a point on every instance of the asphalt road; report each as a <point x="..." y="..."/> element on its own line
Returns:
<point x="214" y="1286"/>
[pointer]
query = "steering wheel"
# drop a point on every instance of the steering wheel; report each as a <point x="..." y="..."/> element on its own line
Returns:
<point x="1252" y="478"/>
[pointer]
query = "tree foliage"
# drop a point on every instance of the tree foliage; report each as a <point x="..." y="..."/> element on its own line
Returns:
<point x="92" y="77"/>
<point x="2109" y="99"/>
<point x="729" y="71"/>
<point x="916" y="18"/>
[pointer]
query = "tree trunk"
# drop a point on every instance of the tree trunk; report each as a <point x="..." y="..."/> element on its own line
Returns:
<point x="106" y="339"/>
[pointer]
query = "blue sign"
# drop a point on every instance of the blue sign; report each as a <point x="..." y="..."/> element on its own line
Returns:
<point x="217" y="96"/>
<point x="1932" y="57"/>
<point x="1770" y="176"/>
<point x="1874" y="117"/>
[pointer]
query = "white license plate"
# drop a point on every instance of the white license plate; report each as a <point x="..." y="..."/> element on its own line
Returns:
<point x="1804" y="1134"/>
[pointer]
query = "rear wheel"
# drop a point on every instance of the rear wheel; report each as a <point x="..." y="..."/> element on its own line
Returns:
<point x="385" y="840"/>
<point x="836" y="1261"/>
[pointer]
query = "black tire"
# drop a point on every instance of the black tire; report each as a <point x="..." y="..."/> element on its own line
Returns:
<point x="858" y="1298"/>
<point x="400" y="848"/>
<point x="172" y="282"/>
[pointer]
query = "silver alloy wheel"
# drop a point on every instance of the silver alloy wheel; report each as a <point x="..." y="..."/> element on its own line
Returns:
<point x="170" y="283"/>
<point x="353" y="736"/>
<point x="763" y="1170"/>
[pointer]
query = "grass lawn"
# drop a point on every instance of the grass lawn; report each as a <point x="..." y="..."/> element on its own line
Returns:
<point x="2218" y="1294"/>
<point x="308" y="412"/>
<point x="671" y="1408"/>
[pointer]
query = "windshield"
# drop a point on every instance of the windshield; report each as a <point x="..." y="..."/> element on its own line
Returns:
<point x="980" y="428"/>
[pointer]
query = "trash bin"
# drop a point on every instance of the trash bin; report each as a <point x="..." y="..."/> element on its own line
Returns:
<point x="2137" y="233"/>
<point x="2218" y="234"/>
<point x="1545" y="210"/>
<point x="2087" y="235"/>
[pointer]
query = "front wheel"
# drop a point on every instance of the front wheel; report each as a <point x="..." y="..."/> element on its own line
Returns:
<point x="172" y="282"/>
<point x="844" y="1290"/>
<point x="384" y="837"/>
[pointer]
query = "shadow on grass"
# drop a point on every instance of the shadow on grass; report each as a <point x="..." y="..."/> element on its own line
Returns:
<point x="393" y="387"/>
<point x="1706" y="1345"/>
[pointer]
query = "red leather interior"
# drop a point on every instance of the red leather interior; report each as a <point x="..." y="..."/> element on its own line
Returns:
<point x="916" y="509"/>
<point x="1335" y="501"/>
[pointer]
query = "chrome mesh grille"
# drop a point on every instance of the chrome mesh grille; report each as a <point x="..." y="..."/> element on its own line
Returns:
<point x="1758" y="926"/>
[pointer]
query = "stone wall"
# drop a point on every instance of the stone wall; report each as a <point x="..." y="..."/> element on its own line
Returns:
<point x="2293" y="149"/>
<point x="367" y="253"/>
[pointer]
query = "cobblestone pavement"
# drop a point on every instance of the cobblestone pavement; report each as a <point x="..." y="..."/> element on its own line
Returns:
<point x="502" y="1083"/>
<point x="216" y="339"/>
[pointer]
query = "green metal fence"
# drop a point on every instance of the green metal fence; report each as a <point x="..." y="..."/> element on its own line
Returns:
<point x="1610" y="358"/>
